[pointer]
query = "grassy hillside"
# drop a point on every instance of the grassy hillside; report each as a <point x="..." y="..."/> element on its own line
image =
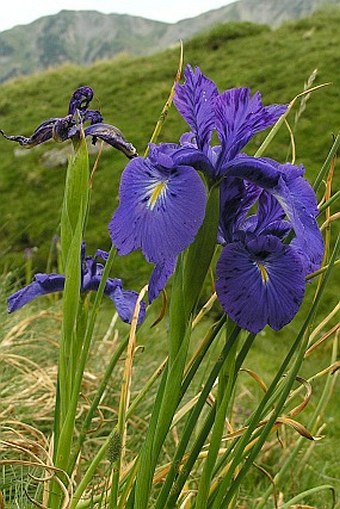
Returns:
<point x="131" y="93"/>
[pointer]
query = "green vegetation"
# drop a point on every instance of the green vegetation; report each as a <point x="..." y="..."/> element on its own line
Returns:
<point x="130" y="94"/>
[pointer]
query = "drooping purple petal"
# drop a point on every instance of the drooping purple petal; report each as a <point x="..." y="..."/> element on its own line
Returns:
<point x="159" y="277"/>
<point x="195" y="102"/>
<point x="125" y="302"/>
<point x="239" y="116"/>
<point x="42" y="133"/>
<point x="42" y="284"/>
<point x="91" y="276"/>
<point x="111" y="135"/>
<point x="260" y="282"/>
<point x="160" y="210"/>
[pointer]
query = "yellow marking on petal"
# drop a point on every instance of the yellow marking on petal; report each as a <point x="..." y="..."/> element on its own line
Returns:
<point x="264" y="273"/>
<point x="156" y="193"/>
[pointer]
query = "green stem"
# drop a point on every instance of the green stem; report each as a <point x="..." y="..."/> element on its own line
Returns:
<point x="227" y="487"/>
<point x="104" y="448"/>
<point x="201" y="251"/>
<point x="326" y="164"/>
<point x="329" y="202"/>
<point x="188" y="430"/>
<point x="95" y="403"/>
<point x="91" y="470"/>
<point x="227" y="379"/>
<point x="322" y="403"/>
<point x="307" y="493"/>
<point x="73" y="218"/>
<point x="63" y="454"/>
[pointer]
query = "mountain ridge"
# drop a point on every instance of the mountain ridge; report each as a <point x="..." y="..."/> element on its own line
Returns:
<point x="84" y="37"/>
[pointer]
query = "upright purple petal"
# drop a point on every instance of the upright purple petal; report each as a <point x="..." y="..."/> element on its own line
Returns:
<point x="160" y="210"/>
<point x="236" y="199"/>
<point x="100" y="253"/>
<point x="239" y="116"/>
<point x="42" y="284"/>
<point x="195" y="102"/>
<point x="269" y="219"/>
<point x="92" y="272"/>
<point x="80" y="99"/>
<point x="260" y="282"/>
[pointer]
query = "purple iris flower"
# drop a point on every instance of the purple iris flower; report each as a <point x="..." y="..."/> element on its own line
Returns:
<point x="237" y="116"/>
<point x="162" y="203"/>
<point x="162" y="206"/>
<point x="260" y="279"/>
<point x="61" y="129"/>
<point x="91" y="275"/>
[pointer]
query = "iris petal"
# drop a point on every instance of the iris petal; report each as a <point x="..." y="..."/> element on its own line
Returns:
<point x="160" y="210"/>
<point x="159" y="277"/>
<point x="195" y="102"/>
<point x="80" y="99"/>
<point x="125" y="302"/>
<point x="43" y="284"/>
<point x="92" y="273"/>
<point x="294" y="194"/>
<point x="236" y="197"/>
<point x="111" y="135"/>
<point x="42" y="133"/>
<point x="239" y="116"/>
<point x="260" y="282"/>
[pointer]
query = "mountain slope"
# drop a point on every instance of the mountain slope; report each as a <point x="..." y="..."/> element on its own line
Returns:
<point x="130" y="94"/>
<point x="81" y="37"/>
<point x="84" y="37"/>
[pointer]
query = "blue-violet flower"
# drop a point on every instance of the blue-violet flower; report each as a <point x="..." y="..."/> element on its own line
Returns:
<point x="91" y="275"/>
<point x="260" y="275"/>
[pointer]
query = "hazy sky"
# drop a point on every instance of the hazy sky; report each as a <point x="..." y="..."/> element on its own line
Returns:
<point x="21" y="12"/>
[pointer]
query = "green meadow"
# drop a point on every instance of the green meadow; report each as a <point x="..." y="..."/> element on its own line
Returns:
<point x="130" y="93"/>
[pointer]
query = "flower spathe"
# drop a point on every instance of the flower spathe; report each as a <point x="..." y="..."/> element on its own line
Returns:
<point x="91" y="275"/>
<point x="69" y="127"/>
